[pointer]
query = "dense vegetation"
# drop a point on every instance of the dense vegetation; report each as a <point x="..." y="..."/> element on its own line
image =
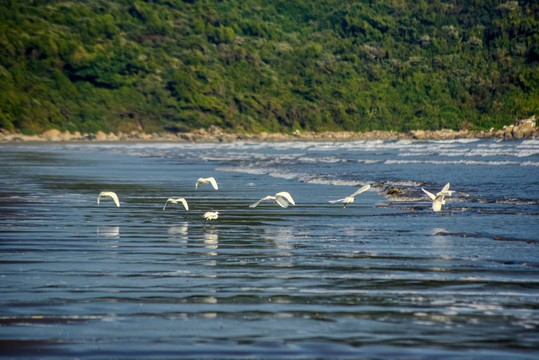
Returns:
<point x="273" y="65"/>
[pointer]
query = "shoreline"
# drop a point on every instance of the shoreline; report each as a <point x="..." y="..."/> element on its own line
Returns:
<point x="522" y="130"/>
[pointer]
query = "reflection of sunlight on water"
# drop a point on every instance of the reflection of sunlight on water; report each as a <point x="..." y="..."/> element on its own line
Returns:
<point x="109" y="232"/>
<point x="442" y="242"/>
<point x="283" y="237"/>
<point x="439" y="235"/>
<point x="211" y="242"/>
<point x="179" y="231"/>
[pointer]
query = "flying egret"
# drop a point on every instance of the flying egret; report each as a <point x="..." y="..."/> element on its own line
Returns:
<point x="445" y="191"/>
<point x="438" y="199"/>
<point x="282" y="198"/>
<point x="109" y="194"/>
<point x="210" y="180"/>
<point x="350" y="199"/>
<point x="174" y="201"/>
<point x="209" y="216"/>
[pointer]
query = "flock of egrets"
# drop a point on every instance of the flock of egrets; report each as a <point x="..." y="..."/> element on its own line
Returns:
<point x="283" y="198"/>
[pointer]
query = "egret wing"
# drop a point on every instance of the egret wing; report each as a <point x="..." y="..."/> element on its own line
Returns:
<point x="111" y="195"/>
<point x="259" y="201"/>
<point x="430" y="195"/>
<point x="169" y="200"/>
<point x="445" y="191"/>
<point x="362" y="189"/>
<point x="282" y="202"/>
<point x="445" y="188"/>
<point x="115" y="198"/>
<point x="184" y="202"/>
<point x="213" y="183"/>
<point x="285" y="195"/>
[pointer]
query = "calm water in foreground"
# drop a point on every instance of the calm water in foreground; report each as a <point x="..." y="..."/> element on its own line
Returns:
<point x="384" y="278"/>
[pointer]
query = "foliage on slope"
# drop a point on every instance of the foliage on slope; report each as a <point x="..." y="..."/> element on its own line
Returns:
<point x="273" y="65"/>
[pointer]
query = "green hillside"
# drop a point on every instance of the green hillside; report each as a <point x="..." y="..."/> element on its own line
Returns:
<point x="267" y="65"/>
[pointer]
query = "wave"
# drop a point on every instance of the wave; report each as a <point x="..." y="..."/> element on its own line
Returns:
<point x="462" y="162"/>
<point x="516" y="201"/>
<point x="289" y="175"/>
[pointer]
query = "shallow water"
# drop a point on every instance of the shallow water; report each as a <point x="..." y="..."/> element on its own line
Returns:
<point x="386" y="277"/>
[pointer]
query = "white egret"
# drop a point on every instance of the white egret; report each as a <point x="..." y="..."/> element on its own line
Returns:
<point x="109" y="194"/>
<point x="174" y="201"/>
<point x="209" y="180"/>
<point x="282" y="198"/>
<point x="445" y="191"/>
<point x="439" y="199"/>
<point x="209" y="216"/>
<point x="350" y="199"/>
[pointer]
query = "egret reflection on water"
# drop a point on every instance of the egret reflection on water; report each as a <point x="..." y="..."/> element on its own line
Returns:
<point x="110" y="232"/>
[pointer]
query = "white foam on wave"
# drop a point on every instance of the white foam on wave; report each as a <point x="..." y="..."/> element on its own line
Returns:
<point x="262" y="171"/>
<point x="482" y="151"/>
<point x="415" y="154"/>
<point x="305" y="178"/>
<point x="334" y="182"/>
<point x="369" y="161"/>
<point x="245" y="170"/>
<point x="462" y="162"/>
<point x="328" y="159"/>
<point x="530" y="142"/>
<point x="403" y="183"/>
<point x="515" y="201"/>
<point x="455" y="141"/>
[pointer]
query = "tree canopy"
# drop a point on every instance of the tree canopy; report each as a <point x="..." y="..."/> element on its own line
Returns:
<point x="267" y="65"/>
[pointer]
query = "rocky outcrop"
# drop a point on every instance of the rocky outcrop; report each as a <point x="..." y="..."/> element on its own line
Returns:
<point x="522" y="129"/>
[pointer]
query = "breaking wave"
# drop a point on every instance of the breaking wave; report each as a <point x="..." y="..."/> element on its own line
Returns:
<point x="463" y="162"/>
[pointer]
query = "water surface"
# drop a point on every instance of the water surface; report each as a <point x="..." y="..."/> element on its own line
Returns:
<point x="384" y="278"/>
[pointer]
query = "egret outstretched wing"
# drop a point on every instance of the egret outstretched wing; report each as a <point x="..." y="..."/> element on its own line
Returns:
<point x="445" y="191"/>
<point x="445" y="188"/>
<point x="284" y="199"/>
<point x="177" y="200"/>
<point x="266" y="198"/>
<point x="350" y="199"/>
<point x="362" y="189"/>
<point x="437" y="200"/>
<point x="210" y="180"/>
<point x="111" y="195"/>
<point x="429" y="194"/>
